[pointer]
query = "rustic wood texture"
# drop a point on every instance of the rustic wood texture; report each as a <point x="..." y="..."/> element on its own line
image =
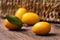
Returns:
<point x="27" y="34"/>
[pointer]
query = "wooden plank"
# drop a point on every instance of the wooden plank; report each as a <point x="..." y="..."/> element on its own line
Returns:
<point x="53" y="35"/>
<point x="12" y="35"/>
<point x="27" y="34"/>
<point x="7" y="35"/>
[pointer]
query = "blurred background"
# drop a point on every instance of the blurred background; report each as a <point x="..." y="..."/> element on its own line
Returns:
<point x="48" y="10"/>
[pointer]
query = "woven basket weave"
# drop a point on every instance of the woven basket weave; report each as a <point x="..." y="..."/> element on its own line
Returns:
<point x="48" y="11"/>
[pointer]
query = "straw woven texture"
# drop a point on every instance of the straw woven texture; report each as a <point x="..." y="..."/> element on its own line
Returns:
<point x="47" y="10"/>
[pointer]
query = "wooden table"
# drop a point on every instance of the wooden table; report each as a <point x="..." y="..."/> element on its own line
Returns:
<point x="27" y="34"/>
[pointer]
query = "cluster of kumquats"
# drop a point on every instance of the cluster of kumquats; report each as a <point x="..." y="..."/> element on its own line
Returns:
<point x="22" y="16"/>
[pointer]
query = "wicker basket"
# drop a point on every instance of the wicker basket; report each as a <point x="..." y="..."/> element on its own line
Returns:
<point x="47" y="10"/>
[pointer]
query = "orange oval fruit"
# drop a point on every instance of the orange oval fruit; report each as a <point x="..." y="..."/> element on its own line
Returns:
<point x="41" y="28"/>
<point x="10" y="25"/>
<point x="30" y="18"/>
<point x="20" y="12"/>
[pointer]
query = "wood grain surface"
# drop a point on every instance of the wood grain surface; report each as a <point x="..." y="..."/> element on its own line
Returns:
<point x="26" y="33"/>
